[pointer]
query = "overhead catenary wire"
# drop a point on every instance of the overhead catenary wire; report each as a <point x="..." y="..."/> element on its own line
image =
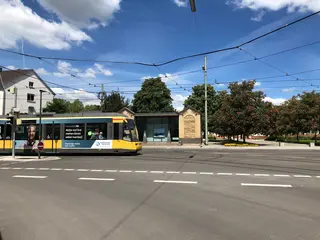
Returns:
<point x="274" y="67"/>
<point x="169" y="61"/>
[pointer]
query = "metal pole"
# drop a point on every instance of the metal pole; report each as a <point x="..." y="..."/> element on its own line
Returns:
<point x="40" y="123"/>
<point x="4" y="95"/>
<point x="205" y="100"/>
<point x="13" y="134"/>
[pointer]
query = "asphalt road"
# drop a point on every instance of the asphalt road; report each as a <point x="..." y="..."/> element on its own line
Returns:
<point x="164" y="194"/>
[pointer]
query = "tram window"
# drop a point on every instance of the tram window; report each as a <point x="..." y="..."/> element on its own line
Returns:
<point x="96" y="131"/>
<point x="52" y="131"/>
<point x="74" y="131"/>
<point x="116" y="131"/>
<point x="8" y="132"/>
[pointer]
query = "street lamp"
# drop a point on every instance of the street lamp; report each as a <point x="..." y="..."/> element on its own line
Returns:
<point x="193" y="5"/>
<point x="40" y="123"/>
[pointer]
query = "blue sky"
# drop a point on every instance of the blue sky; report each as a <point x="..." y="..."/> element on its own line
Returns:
<point x="159" y="30"/>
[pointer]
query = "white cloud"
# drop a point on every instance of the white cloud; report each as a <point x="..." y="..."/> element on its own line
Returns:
<point x="178" y="101"/>
<point x="42" y="71"/>
<point x="275" y="5"/>
<point x="181" y="3"/>
<point x="275" y="101"/>
<point x="18" y="21"/>
<point x="166" y="77"/>
<point x="219" y="85"/>
<point x="259" y="16"/>
<point x="84" y="96"/>
<point x="65" y="70"/>
<point x="257" y="84"/>
<point x="288" y="89"/>
<point x="83" y="13"/>
<point x="102" y="70"/>
<point x="11" y="67"/>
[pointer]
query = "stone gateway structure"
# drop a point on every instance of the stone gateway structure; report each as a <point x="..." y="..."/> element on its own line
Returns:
<point x="183" y="127"/>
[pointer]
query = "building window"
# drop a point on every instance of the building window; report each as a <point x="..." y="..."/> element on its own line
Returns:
<point x="31" y="110"/>
<point x="30" y="84"/>
<point x="30" y="97"/>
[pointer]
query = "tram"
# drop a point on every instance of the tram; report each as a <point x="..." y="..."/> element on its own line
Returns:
<point x="87" y="132"/>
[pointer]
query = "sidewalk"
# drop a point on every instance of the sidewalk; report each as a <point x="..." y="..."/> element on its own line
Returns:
<point x="28" y="158"/>
<point x="267" y="145"/>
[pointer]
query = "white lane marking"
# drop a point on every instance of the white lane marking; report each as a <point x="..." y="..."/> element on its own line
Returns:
<point x="43" y="169"/>
<point x="225" y="174"/>
<point x="30" y="168"/>
<point x="298" y="157"/>
<point x="97" y="179"/>
<point x="156" y="171"/>
<point x="56" y="169"/>
<point x="111" y="170"/>
<point x="302" y="176"/>
<point x="125" y="171"/>
<point x="171" y="181"/>
<point x="172" y="172"/>
<point x="262" y="175"/>
<point x="242" y="174"/>
<point x="206" y="173"/>
<point x="26" y="176"/>
<point x="189" y="172"/>
<point x="281" y="175"/>
<point x="256" y="155"/>
<point x="69" y="169"/>
<point x="265" y="185"/>
<point x="96" y="170"/>
<point x="16" y="168"/>
<point x="142" y="171"/>
<point x="82" y="170"/>
<point x="317" y="176"/>
<point x="5" y="168"/>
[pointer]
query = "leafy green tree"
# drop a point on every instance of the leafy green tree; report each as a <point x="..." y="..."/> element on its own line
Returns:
<point x="114" y="102"/>
<point x="197" y="101"/>
<point x="154" y="96"/>
<point x="92" y="108"/>
<point x="76" y="106"/>
<point x="57" y="105"/>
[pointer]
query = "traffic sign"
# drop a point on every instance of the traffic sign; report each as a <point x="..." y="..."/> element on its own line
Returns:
<point x="40" y="146"/>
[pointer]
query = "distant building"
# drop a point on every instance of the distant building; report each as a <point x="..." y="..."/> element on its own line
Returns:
<point x="23" y="87"/>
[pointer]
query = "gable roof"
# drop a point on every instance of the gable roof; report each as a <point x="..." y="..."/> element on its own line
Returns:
<point x="191" y="108"/>
<point x="12" y="75"/>
<point x="126" y="109"/>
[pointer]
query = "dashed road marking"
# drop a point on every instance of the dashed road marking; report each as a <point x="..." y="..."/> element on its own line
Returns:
<point x="265" y="185"/>
<point x="30" y="168"/>
<point x="140" y="171"/>
<point x="111" y="170"/>
<point x="56" y="169"/>
<point x="317" y="176"/>
<point x="172" y="181"/>
<point x="125" y="171"/>
<point x="28" y="176"/>
<point x="96" y="170"/>
<point x="242" y="174"/>
<point x="206" y="173"/>
<point x="43" y="169"/>
<point x="69" y="169"/>
<point x="281" y="175"/>
<point x="82" y="170"/>
<point x="256" y="155"/>
<point x="156" y="171"/>
<point x="262" y="175"/>
<point x="298" y="157"/>
<point x="5" y="168"/>
<point x="302" y="176"/>
<point x="172" y="172"/>
<point x="189" y="172"/>
<point x="224" y="174"/>
<point x="97" y="179"/>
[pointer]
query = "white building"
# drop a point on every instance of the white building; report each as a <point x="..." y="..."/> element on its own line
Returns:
<point x="26" y="84"/>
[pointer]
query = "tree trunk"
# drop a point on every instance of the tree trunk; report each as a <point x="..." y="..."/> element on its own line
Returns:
<point x="297" y="136"/>
<point x="237" y="138"/>
<point x="315" y="137"/>
<point x="244" y="138"/>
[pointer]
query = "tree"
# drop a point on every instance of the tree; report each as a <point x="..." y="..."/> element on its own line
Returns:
<point x="92" y="108"/>
<point x="197" y="101"/>
<point x="76" y="106"/>
<point x="242" y="110"/>
<point x="114" y="102"/>
<point x="57" y="105"/>
<point x="154" y="96"/>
